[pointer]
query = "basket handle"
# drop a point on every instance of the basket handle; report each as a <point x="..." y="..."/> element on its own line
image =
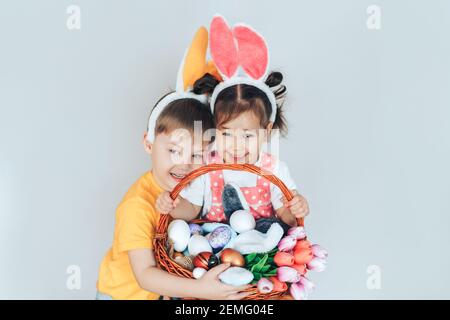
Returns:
<point x="237" y="167"/>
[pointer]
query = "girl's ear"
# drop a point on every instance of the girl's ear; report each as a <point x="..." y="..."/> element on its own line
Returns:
<point x="147" y="144"/>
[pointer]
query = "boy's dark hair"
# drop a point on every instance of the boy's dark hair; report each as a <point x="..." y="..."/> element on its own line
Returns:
<point x="240" y="98"/>
<point x="183" y="113"/>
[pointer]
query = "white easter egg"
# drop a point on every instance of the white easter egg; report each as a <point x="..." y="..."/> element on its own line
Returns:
<point x="242" y="221"/>
<point x="236" y="276"/>
<point x="198" y="273"/>
<point x="179" y="233"/>
<point x="198" y="244"/>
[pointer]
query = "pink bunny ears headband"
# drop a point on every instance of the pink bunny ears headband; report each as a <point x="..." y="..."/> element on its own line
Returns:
<point x="239" y="50"/>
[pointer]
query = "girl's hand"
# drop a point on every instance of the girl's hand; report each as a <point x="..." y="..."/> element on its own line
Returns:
<point x="211" y="288"/>
<point x="165" y="204"/>
<point x="298" y="205"/>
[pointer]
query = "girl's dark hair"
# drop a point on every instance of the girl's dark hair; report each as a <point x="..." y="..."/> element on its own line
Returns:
<point x="183" y="113"/>
<point x="240" y="98"/>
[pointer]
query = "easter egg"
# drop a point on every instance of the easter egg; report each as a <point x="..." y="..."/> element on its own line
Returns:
<point x="219" y="238"/>
<point x="184" y="261"/>
<point x="179" y="233"/>
<point x="195" y="229"/>
<point x="236" y="276"/>
<point x="177" y="255"/>
<point x="242" y="221"/>
<point x="232" y="257"/>
<point x="198" y="272"/>
<point x="198" y="244"/>
<point x="206" y="260"/>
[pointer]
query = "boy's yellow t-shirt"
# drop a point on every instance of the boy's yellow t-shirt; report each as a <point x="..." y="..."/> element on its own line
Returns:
<point x="136" y="222"/>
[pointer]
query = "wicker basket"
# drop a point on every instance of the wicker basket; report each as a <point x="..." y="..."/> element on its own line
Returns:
<point x="160" y="242"/>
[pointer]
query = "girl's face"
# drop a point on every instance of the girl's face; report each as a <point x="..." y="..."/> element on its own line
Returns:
<point x="240" y="140"/>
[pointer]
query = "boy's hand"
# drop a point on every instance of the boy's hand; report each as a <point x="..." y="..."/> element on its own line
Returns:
<point x="211" y="288"/>
<point x="164" y="204"/>
<point x="298" y="205"/>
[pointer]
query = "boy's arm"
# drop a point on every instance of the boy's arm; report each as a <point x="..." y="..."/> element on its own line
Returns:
<point x="178" y="209"/>
<point x="152" y="279"/>
<point x="185" y="210"/>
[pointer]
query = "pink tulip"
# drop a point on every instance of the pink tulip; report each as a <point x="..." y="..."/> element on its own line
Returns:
<point x="297" y="232"/>
<point x="265" y="285"/>
<point x="283" y="259"/>
<point x="318" y="251"/>
<point x="303" y="256"/>
<point x="287" y="243"/>
<point x="302" y="244"/>
<point x="287" y="274"/>
<point x="316" y="264"/>
<point x="301" y="268"/>
<point x="308" y="284"/>
<point x="298" y="291"/>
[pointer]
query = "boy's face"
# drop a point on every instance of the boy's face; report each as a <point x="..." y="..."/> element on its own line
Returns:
<point x="174" y="155"/>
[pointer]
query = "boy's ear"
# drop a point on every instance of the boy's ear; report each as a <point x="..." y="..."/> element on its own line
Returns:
<point x="147" y="144"/>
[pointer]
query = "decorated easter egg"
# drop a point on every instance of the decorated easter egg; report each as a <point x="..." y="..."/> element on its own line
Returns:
<point x="232" y="257"/>
<point x="206" y="260"/>
<point x="184" y="261"/>
<point x="198" y="244"/>
<point x="236" y="276"/>
<point x="198" y="273"/>
<point x="195" y="229"/>
<point x="219" y="238"/>
<point x="177" y="255"/>
<point x="242" y="221"/>
<point x="179" y="233"/>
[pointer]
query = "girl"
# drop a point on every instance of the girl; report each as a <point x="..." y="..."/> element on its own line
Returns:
<point x="246" y="111"/>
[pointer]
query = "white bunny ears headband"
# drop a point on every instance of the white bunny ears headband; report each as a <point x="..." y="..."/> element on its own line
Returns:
<point x="239" y="50"/>
<point x="193" y="67"/>
<point x="233" y="51"/>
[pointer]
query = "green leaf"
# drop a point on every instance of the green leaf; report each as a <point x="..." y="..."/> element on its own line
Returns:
<point x="265" y="268"/>
<point x="268" y="275"/>
<point x="261" y="263"/>
<point x="257" y="276"/>
<point x="258" y="268"/>
<point x="250" y="257"/>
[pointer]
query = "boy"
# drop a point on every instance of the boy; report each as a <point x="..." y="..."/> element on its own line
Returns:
<point x="128" y="271"/>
